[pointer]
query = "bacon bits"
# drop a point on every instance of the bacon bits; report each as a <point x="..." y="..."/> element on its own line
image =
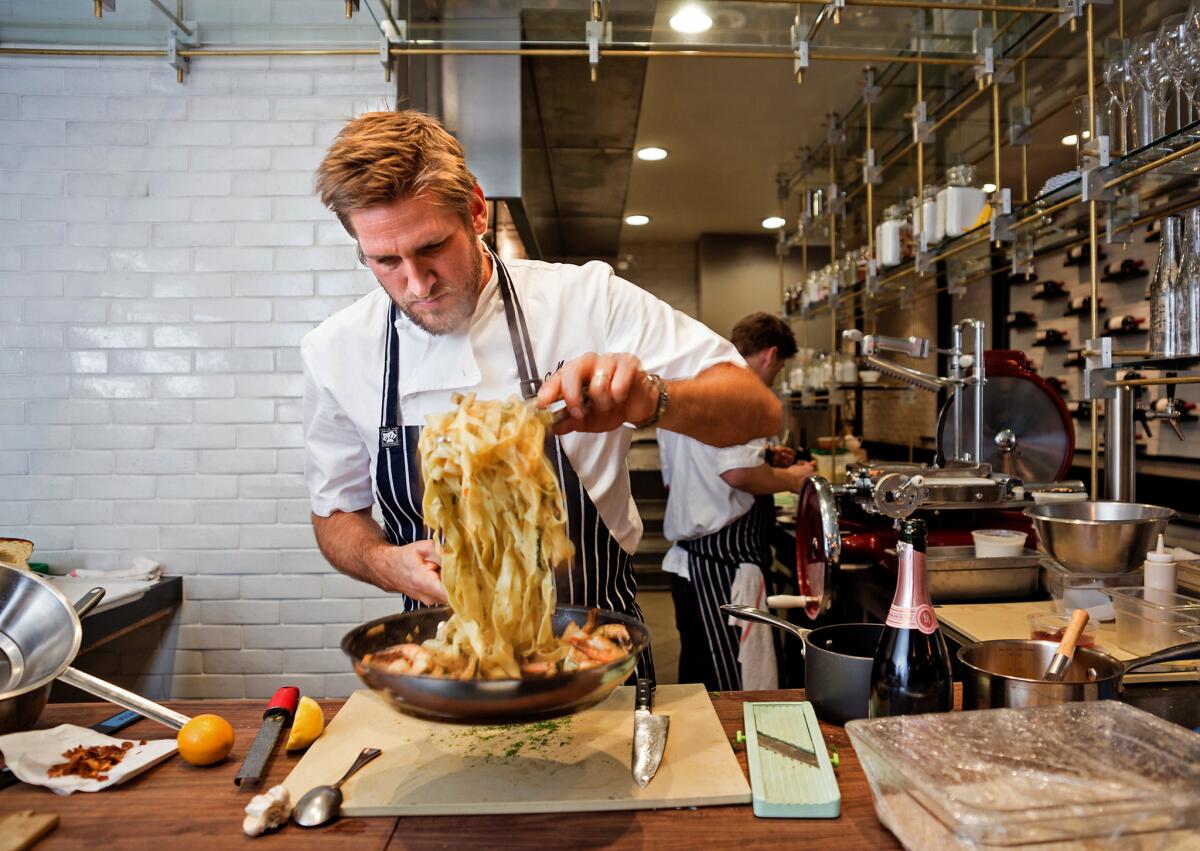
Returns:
<point x="91" y="763"/>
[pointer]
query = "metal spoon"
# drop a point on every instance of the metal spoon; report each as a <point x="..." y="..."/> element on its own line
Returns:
<point x="322" y="803"/>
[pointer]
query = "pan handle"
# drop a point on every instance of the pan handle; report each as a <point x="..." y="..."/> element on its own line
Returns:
<point x="1171" y="654"/>
<point x="88" y="601"/>
<point x="121" y="697"/>
<point x="749" y="613"/>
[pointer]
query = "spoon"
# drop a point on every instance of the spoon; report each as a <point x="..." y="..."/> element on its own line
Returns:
<point x="321" y="804"/>
<point x="1066" y="649"/>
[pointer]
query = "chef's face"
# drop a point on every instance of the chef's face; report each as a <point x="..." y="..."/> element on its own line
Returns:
<point x="427" y="258"/>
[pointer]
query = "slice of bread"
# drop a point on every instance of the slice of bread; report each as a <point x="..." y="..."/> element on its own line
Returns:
<point x="15" y="552"/>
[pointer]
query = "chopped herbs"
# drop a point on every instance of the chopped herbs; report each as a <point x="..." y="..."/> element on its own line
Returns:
<point x="496" y="743"/>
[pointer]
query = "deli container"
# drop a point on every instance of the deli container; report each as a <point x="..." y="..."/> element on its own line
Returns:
<point x="1091" y="775"/>
<point x="1149" y="620"/>
<point x="1091" y="591"/>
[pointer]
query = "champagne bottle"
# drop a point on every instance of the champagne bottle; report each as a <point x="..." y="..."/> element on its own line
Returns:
<point x="911" y="672"/>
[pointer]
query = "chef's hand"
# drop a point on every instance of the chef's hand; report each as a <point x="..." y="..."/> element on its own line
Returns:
<point x="801" y="473"/>
<point x="618" y="392"/>
<point x="782" y="456"/>
<point x="414" y="570"/>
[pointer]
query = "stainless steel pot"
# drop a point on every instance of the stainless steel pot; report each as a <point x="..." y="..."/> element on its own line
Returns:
<point x="837" y="662"/>
<point x="1099" y="536"/>
<point x="1008" y="673"/>
<point x="39" y="637"/>
<point x="487" y="701"/>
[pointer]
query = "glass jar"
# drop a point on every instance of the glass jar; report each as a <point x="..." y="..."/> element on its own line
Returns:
<point x="963" y="201"/>
<point x="891" y="236"/>
<point x="929" y="216"/>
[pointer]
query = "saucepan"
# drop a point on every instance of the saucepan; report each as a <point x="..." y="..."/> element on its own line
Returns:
<point x="837" y="662"/>
<point x="488" y="701"/>
<point x="40" y="634"/>
<point x="1009" y="673"/>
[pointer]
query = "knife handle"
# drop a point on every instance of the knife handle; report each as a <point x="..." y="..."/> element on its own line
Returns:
<point x="643" y="695"/>
<point x="283" y="704"/>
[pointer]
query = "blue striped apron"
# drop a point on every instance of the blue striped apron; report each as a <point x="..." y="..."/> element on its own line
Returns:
<point x="601" y="574"/>
<point x="713" y="562"/>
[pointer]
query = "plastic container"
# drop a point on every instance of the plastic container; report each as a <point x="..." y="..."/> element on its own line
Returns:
<point x="963" y="201"/>
<point x="869" y="376"/>
<point x="998" y="543"/>
<point x="1091" y="591"/>
<point x="1050" y="626"/>
<point x="1050" y="776"/>
<point x="929" y="216"/>
<point x="892" y="236"/>
<point x="1149" y="620"/>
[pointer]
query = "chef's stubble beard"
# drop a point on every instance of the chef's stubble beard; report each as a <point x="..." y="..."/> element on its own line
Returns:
<point x="448" y="322"/>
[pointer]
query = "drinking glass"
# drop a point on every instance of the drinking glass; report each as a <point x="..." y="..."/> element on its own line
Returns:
<point x="1174" y="47"/>
<point x="1152" y="77"/>
<point x="1118" y="77"/>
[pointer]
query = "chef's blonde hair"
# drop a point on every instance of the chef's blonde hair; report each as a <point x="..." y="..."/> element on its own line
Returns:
<point x="380" y="157"/>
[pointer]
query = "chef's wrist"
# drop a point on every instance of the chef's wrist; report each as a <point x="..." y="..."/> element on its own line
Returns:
<point x="651" y="401"/>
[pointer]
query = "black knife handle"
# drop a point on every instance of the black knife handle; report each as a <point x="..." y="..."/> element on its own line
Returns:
<point x="643" y="695"/>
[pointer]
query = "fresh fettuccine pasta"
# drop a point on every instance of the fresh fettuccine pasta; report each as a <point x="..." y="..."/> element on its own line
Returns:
<point x="493" y="502"/>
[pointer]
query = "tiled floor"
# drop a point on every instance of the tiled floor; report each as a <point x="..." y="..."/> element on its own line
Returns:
<point x="664" y="639"/>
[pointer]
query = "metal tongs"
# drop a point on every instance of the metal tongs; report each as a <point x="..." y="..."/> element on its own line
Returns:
<point x="556" y="412"/>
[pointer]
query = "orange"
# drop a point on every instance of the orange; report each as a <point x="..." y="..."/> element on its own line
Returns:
<point x="205" y="739"/>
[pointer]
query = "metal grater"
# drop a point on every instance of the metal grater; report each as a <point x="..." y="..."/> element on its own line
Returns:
<point x="790" y="772"/>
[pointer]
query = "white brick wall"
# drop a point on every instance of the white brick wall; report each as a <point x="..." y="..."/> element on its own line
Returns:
<point x="161" y="255"/>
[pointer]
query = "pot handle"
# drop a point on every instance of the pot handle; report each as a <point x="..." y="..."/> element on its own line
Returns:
<point x="749" y="613"/>
<point x="1171" y="654"/>
<point x="121" y="697"/>
<point x="88" y="601"/>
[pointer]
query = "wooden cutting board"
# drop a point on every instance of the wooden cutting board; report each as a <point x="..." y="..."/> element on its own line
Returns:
<point x="577" y="763"/>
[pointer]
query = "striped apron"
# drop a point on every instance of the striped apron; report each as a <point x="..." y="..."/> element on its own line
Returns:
<point x="601" y="574"/>
<point x="713" y="562"/>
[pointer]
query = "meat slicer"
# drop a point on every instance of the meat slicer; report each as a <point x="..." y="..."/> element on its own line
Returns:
<point x="1003" y="434"/>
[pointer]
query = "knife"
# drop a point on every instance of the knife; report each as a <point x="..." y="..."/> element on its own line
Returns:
<point x="109" y="727"/>
<point x="788" y="749"/>
<point x="278" y="715"/>
<point x="649" y="735"/>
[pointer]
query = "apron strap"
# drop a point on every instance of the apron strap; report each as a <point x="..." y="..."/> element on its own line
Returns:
<point x="518" y="332"/>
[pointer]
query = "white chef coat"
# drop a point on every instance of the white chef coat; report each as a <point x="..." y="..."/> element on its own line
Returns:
<point x="570" y="310"/>
<point x="700" y="502"/>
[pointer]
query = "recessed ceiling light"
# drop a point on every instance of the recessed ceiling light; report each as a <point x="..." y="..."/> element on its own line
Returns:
<point x="773" y="222"/>
<point x="691" y="20"/>
<point x="637" y="220"/>
<point x="1072" y="138"/>
<point x="989" y="188"/>
<point x="652" y="154"/>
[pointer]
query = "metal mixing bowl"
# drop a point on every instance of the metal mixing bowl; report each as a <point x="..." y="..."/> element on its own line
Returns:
<point x="1099" y="536"/>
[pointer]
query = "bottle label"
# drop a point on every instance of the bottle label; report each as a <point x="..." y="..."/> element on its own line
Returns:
<point x="911" y="608"/>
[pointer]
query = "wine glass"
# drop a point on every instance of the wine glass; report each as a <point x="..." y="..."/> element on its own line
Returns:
<point x="1174" y="47"/>
<point x="1118" y="77"/>
<point x="1151" y="75"/>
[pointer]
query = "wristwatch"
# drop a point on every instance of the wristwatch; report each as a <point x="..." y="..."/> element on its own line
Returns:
<point x="661" y="408"/>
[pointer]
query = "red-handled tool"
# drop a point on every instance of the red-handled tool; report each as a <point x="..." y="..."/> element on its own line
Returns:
<point x="278" y="715"/>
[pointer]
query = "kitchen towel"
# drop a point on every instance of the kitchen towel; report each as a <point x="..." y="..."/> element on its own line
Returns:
<point x="756" y="652"/>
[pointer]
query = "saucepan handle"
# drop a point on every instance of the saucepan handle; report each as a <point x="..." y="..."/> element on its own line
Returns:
<point x="121" y="697"/>
<point x="1171" y="654"/>
<point x="749" y="613"/>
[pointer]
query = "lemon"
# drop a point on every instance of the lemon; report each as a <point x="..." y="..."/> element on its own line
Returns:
<point x="307" y="725"/>
<point x="205" y="739"/>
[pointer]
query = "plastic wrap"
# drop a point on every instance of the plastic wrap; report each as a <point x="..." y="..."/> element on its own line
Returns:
<point x="1080" y="775"/>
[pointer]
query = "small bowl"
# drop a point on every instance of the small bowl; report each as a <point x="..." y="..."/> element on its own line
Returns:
<point x="1050" y="626"/>
<point x="998" y="543"/>
<point x="868" y="376"/>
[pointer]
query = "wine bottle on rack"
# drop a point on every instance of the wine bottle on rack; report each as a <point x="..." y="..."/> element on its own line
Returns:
<point x="1124" y="269"/>
<point x="1080" y="410"/>
<point x="1125" y="324"/>
<point x="1075" y="358"/>
<point x="1083" y="305"/>
<point x="1050" y="337"/>
<point x="1049" y="289"/>
<point x="1021" y="319"/>
<point x="911" y="671"/>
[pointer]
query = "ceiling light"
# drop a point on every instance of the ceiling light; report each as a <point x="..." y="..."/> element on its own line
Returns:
<point x="652" y="154"/>
<point x="637" y="220"/>
<point x="691" y="20"/>
<point x="989" y="188"/>
<point x="773" y="222"/>
<point x="1072" y="139"/>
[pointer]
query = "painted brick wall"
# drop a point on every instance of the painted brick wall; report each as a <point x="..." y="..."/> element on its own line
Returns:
<point x="161" y="255"/>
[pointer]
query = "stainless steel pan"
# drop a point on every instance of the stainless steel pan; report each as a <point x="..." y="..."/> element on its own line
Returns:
<point x="487" y="701"/>
<point x="39" y="637"/>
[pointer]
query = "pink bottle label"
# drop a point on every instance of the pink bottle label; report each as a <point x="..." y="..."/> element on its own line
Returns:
<point x="911" y="607"/>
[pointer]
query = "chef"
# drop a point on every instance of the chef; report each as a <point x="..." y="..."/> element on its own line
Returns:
<point x="719" y="512"/>
<point x="450" y="316"/>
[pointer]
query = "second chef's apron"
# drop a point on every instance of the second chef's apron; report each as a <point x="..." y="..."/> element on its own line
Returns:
<point x="713" y="562"/>
<point x="601" y="574"/>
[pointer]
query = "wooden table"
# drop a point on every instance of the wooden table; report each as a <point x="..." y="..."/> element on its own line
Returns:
<point x="178" y="806"/>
